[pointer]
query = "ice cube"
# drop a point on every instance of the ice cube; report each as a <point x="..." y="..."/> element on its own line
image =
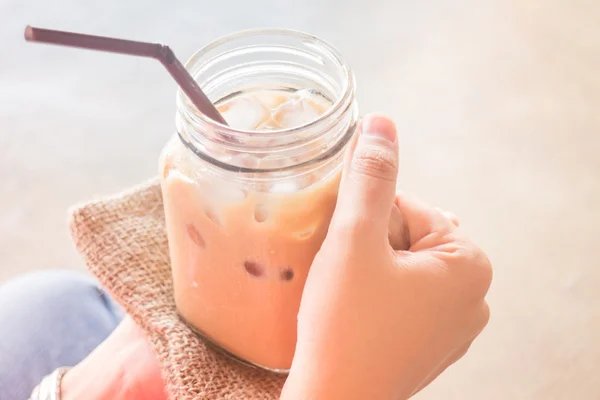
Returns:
<point x="274" y="162"/>
<point x="288" y="186"/>
<point x="270" y="124"/>
<point x="244" y="112"/>
<point x="217" y="192"/>
<point x="271" y="98"/>
<point x="228" y="193"/>
<point x="299" y="109"/>
<point x="244" y="161"/>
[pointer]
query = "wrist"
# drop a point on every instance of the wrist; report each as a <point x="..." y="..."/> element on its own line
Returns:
<point x="120" y="368"/>
<point x="326" y="378"/>
<point x="101" y="375"/>
<point x="316" y="381"/>
<point x="87" y="381"/>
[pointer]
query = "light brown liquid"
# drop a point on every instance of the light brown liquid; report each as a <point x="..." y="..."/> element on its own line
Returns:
<point x="240" y="261"/>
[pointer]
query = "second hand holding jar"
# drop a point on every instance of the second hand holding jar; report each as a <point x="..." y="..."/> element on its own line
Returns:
<point x="248" y="206"/>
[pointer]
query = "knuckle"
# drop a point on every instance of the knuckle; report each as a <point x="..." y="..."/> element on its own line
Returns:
<point x="472" y="264"/>
<point x="463" y="351"/>
<point x="485" y="315"/>
<point x="482" y="318"/>
<point x="484" y="269"/>
<point x="376" y="162"/>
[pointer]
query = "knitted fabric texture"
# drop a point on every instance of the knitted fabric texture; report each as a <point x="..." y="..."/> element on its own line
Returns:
<point x="123" y="241"/>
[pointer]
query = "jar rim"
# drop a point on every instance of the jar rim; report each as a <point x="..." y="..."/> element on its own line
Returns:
<point x="347" y="88"/>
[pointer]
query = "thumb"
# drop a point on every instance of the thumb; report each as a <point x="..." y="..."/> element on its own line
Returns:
<point x="368" y="185"/>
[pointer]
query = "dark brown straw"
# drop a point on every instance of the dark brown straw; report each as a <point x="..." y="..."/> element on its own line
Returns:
<point x="143" y="49"/>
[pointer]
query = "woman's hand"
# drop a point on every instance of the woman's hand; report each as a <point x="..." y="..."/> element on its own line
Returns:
<point x="123" y="367"/>
<point x="376" y="323"/>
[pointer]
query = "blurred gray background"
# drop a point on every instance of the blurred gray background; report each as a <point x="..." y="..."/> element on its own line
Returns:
<point x="498" y="105"/>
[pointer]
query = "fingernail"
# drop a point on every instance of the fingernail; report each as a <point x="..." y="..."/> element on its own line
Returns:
<point x="379" y="126"/>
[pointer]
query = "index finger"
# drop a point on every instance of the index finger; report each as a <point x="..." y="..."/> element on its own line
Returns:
<point x="423" y="225"/>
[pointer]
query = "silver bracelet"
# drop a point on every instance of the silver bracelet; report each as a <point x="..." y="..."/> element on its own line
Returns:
<point x="49" y="387"/>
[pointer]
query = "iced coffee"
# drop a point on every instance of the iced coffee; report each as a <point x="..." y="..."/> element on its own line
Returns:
<point x="247" y="208"/>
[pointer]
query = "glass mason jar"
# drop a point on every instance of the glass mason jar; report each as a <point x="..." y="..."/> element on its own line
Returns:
<point x="246" y="211"/>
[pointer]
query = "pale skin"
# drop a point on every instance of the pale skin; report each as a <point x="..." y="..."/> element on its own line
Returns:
<point x="387" y="306"/>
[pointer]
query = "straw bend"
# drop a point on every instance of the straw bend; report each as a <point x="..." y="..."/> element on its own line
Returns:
<point x="161" y="52"/>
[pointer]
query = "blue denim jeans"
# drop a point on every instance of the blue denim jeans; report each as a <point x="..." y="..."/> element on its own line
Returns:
<point x="48" y="320"/>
